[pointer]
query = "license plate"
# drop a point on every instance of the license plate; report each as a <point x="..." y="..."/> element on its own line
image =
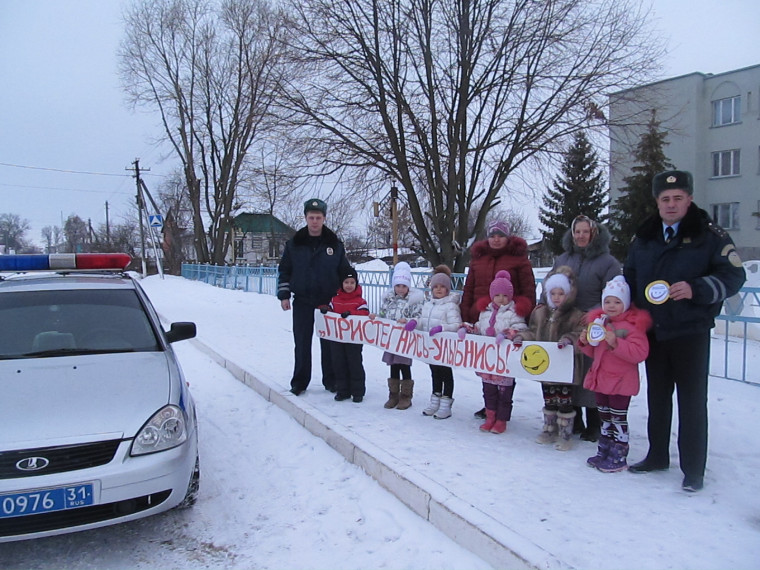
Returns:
<point x="46" y="500"/>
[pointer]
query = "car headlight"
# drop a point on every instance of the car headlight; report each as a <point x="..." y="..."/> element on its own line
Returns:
<point x="166" y="429"/>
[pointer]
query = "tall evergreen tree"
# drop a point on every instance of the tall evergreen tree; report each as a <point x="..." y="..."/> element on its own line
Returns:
<point x="579" y="190"/>
<point x="636" y="203"/>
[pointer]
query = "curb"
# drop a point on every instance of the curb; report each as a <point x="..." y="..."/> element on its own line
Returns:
<point x="462" y="522"/>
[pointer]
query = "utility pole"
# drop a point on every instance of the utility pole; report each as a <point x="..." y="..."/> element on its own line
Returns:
<point x="140" y="205"/>
<point x="108" y="230"/>
<point x="394" y="223"/>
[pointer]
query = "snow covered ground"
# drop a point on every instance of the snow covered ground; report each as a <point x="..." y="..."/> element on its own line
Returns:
<point x="549" y="499"/>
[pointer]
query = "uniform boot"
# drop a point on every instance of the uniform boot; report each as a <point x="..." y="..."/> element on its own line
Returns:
<point x="435" y="403"/>
<point x="616" y="458"/>
<point x="445" y="410"/>
<point x="593" y="425"/>
<point x="601" y="451"/>
<point x="549" y="432"/>
<point x="490" y="420"/>
<point x="565" y="428"/>
<point x="393" y="393"/>
<point x="405" y="396"/>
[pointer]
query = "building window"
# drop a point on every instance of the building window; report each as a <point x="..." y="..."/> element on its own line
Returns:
<point x="726" y="215"/>
<point x="727" y="111"/>
<point x="725" y="163"/>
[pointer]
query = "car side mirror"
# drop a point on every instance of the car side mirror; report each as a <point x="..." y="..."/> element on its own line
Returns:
<point x="180" y="331"/>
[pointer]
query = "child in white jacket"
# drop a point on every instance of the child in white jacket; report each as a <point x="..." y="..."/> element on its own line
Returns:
<point x="439" y="313"/>
<point x="498" y="319"/>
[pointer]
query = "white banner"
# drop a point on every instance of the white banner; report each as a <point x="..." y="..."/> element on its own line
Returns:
<point x="541" y="361"/>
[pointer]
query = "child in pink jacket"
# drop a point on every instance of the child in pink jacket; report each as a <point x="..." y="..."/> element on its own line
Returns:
<point x="614" y="374"/>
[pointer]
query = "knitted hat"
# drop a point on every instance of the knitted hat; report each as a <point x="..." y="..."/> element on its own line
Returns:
<point x="502" y="285"/>
<point x="498" y="227"/>
<point x="556" y="281"/>
<point x="402" y="274"/>
<point x="314" y="205"/>
<point x="673" y="180"/>
<point x="617" y="287"/>
<point x="350" y="272"/>
<point x="441" y="276"/>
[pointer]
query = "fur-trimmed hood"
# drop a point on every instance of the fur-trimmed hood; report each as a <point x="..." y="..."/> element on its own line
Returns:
<point x="329" y="238"/>
<point x="515" y="246"/>
<point x="598" y="246"/>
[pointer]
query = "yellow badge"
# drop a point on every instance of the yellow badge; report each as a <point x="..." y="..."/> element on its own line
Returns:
<point x="535" y="359"/>
<point x="734" y="259"/>
<point x="657" y="292"/>
<point x="595" y="334"/>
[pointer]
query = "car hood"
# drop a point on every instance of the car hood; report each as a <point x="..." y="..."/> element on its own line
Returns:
<point x="74" y="399"/>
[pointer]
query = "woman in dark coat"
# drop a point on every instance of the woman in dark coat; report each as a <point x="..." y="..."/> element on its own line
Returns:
<point x="489" y="256"/>
<point x="587" y="253"/>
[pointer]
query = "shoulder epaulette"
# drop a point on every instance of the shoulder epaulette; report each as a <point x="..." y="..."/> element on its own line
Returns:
<point x="717" y="230"/>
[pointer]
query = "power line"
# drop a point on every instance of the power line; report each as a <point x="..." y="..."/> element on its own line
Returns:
<point x="65" y="189"/>
<point x="65" y="171"/>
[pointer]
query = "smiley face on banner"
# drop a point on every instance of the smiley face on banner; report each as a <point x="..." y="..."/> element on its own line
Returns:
<point x="535" y="359"/>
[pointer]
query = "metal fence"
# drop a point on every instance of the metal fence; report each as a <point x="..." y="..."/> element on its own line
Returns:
<point x="736" y="324"/>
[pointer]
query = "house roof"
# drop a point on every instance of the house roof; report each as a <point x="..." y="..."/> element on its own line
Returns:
<point x="261" y="223"/>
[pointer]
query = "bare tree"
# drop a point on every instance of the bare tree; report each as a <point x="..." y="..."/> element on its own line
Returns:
<point x="210" y="70"/>
<point x="12" y="231"/>
<point x="448" y="98"/>
<point x="76" y="233"/>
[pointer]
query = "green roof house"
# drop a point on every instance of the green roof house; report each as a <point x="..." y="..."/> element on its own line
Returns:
<point x="259" y="239"/>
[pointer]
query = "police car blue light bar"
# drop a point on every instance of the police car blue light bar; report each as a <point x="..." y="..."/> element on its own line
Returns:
<point x="59" y="261"/>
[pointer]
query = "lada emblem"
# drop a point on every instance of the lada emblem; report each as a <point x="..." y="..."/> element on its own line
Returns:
<point x="32" y="464"/>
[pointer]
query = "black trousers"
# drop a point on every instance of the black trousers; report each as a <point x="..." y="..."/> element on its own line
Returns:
<point x="443" y="380"/>
<point x="303" y="332"/>
<point x="682" y="364"/>
<point x="349" y="369"/>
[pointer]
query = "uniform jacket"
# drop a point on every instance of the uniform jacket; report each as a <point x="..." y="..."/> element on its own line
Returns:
<point x="396" y="307"/>
<point x="702" y="254"/>
<point x="444" y="312"/>
<point x="485" y="262"/>
<point x="352" y="302"/>
<point x="615" y="371"/>
<point x="550" y="325"/>
<point x="310" y="267"/>
<point x="592" y="265"/>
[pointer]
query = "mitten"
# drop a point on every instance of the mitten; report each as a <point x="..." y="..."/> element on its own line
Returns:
<point x="461" y="332"/>
<point x="563" y="342"/>
<point x="410" y="325"/>
<point x="517" y="341"/>
<point x="436" y="329"/>
<point x="490" y="331"/>
<point x="499" y="338"/>
<point x="324" y="309"/>
<point x="345" y="314"/>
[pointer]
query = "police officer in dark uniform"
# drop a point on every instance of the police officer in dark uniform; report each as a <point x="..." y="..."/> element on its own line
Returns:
<point x="310" y="270"/>
<point x="680" y="267"/>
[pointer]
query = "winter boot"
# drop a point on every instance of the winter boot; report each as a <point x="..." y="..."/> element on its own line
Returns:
<point x="435" y="403"/>
<point x="445" y="410"/>
<point x="565" y="429"/>
<point x="499" y="426"/>
<point x="549" y="431"/>
<point x="593" y="425"/>
<point x="393" y="393"/>
<point x="601" y="451"/>
<point x="405" y="397"/>
<point x="616" y="458"/>
<point x="490" y="420"/>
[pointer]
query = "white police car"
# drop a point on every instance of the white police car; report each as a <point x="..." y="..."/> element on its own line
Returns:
<point x="97" y="425"/>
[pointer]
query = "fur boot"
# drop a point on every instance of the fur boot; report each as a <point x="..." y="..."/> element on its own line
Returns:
<point x="549" y="432"/>
<point x="490" y="420"/>
<point x="565" y="430"/>
<point x="405" y="394"/>
<point x="445" y="410"/>
<point x="393" y="393"/>
<point x="435" y="403"/>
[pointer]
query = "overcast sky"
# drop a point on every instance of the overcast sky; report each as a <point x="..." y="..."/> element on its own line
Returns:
<point x="67" y="136"/>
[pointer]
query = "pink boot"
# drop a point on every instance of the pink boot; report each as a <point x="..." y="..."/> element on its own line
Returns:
<point x="499" y="426"/>
<point x="490" y="420"/>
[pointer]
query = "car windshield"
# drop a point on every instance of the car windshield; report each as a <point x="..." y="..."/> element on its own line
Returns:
<point x="37" y="324"/>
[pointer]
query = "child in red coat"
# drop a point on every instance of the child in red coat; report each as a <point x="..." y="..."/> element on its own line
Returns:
<point x="617" y="349"/>
<point x="347" y="357"/>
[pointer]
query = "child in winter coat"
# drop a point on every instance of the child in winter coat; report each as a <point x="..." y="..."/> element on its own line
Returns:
<point x="439" y="313"/>
<point x="614" y="374"/>
<point x="558" y="320"/>
<point x="400" y="304"/>
<point x="499" y="319"/>
<point x="347" y="357"/>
